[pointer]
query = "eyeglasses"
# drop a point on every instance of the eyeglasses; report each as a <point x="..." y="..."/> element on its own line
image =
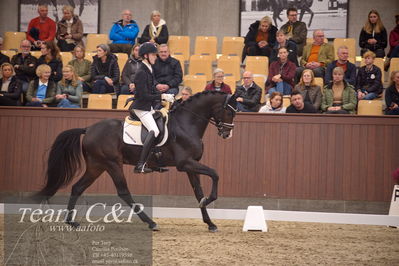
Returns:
<point x="219" y="76"/>
<point x="246" y="77"/>
<point x="25" y="46"/>
<point x="185" y="94"/>
<point x="319" y="36"/>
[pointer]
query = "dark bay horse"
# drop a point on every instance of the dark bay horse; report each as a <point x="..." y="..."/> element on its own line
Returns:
<point x="103" y="149"/>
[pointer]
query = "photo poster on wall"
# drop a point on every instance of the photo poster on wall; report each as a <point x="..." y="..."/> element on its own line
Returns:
<point x="328" y="15"/>
<point x="87" y="10"/>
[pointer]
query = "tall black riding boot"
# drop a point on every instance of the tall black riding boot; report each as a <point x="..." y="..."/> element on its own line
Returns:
<point x="147" y="146"/>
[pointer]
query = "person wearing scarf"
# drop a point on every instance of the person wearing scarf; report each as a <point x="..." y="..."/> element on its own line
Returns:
<point x="156" y="31"/>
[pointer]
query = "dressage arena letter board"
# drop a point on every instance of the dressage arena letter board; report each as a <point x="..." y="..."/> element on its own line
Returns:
<point x="394" y="209"/>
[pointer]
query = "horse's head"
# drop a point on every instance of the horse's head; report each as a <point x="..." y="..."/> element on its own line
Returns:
<point x="223" y="118"/>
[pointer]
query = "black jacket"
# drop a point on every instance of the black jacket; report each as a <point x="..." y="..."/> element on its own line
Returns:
<point x="251" y="96"/>
<point x="292" y="52"/>
<point x="369" y="80"/>
<point x="391" y="95"/>
<point x="380" y="37"/>
<point x="14" y="89"/>
<point x="168" y="72"/>
<point x="4" y="59"/>
<point x="146" y="93"/>
<point x="25" y="72"/>
<point x="129" y="70"/>
<point x="56" y="67"/>
<point x="250" y="38"/>
<point x="112" y="71"/>
<point x="162" y="38"/>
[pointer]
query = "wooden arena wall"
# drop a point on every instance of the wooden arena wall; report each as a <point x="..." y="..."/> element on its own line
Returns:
<point x="275" y="156"/>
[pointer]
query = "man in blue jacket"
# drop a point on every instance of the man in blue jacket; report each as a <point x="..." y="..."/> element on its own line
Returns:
<point x="123" y="33"/>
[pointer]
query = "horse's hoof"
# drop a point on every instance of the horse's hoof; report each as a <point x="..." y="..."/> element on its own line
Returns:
<point x="154" y="227"/>
<point x="73" y="224"/>
<point x="202" y="203"/>
<point x="213" y="229"/>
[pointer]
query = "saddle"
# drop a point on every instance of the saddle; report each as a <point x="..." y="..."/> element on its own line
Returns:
<point x="160" y="120"/>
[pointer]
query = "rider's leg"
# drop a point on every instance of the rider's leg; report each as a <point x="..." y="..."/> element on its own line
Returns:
<point x="149" y="122"/>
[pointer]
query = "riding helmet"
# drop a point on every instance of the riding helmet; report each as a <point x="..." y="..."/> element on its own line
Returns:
<point x="147" y="48"/>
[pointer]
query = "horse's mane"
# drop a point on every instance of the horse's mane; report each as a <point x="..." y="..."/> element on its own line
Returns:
<point x="196" y="96"/>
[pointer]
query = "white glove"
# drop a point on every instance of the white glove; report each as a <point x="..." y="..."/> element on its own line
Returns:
<point x="168" y="97"/>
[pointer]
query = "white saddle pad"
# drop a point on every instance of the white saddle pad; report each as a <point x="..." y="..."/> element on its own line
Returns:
<point x="132" y="134"/>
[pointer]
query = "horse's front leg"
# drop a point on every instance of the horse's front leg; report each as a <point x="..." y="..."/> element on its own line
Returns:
<point x="199" y="194"/>
<point x="195" y="167"/>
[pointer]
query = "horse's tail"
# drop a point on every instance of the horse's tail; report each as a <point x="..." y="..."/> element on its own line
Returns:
<point x="63" y="161"/>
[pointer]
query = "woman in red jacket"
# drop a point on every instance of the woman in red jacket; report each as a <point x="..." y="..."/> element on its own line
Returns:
<point x="281" y="74"/>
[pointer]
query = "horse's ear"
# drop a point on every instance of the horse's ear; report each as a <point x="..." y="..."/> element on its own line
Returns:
<point x="232" y="100"/>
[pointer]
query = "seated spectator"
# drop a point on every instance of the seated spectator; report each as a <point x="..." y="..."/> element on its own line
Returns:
<point x="316" y="56"/>
<point x="3" y="57"/>
<point x="123" y="33"/>
<point x="248" y="94"/>
<point x="283" y="42"/>
<point x="296" y="30"/>
<point x="156" y="31"/>
<point x="260" y="38"/>
<point x="217" y="84"/>
<point x="281" y="74"/>
<point x="10" y="87"/>
<point x="41" y="91"/>
<point x="392" y="95"/>
<point x="373" y="35"/>
<point x="129" y="71"/>
<point x="311" y="93"/>
<point x="104" y="71"/>
<point x="69" y="30"/>
<point x="41" y="29"/>
<point x="69" y="89"/>
<point x="348" y="67"/>
<point x="339" y="96"/>
<point x="186" y="93"/>
<point x="167" y="72"/>
<point x="51" y="56"/>
<point x="274" y="105"/>
<point x="368" y="83"/>
<point x="298" y="106"/>
<point x="25" y="65"/>
<point x="393" y="43"/>
<point x="81" y="66"/>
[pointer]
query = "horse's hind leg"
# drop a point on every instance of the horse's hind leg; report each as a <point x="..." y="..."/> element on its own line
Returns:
<point x="93" y="171"/>
<point x="115" y="170"/>
<point x="199" y="194"/>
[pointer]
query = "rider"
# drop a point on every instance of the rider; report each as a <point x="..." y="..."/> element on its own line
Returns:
<point x="145" y="99"/>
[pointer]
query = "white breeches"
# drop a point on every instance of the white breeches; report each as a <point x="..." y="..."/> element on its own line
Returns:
<point x="148" y="120"/>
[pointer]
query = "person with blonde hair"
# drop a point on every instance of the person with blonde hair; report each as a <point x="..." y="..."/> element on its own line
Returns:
<point x="69" y="30"/>
<point x="373" y="35"/>
<point x="311" y="92"/>
<point x="81" y="66"/>
<point x="368" y="80"/>
<point x="41" y="91"/>
<point x="69" y="89"/>
<point x="392" y="95"/>
<point x="339" y="96"/>
<point x="156" y="31"/>
<point x="217" y="84"/>
<point x="260" y="38"/>
<point x="10" y="87"/>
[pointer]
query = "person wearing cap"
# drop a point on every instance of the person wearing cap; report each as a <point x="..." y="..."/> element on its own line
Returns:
<point x="146" y="98"/>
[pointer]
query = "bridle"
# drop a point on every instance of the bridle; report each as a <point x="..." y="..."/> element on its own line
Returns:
<point x="220" y="125"/>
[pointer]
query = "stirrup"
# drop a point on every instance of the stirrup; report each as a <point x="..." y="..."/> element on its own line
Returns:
<point x="142" y="169"/>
